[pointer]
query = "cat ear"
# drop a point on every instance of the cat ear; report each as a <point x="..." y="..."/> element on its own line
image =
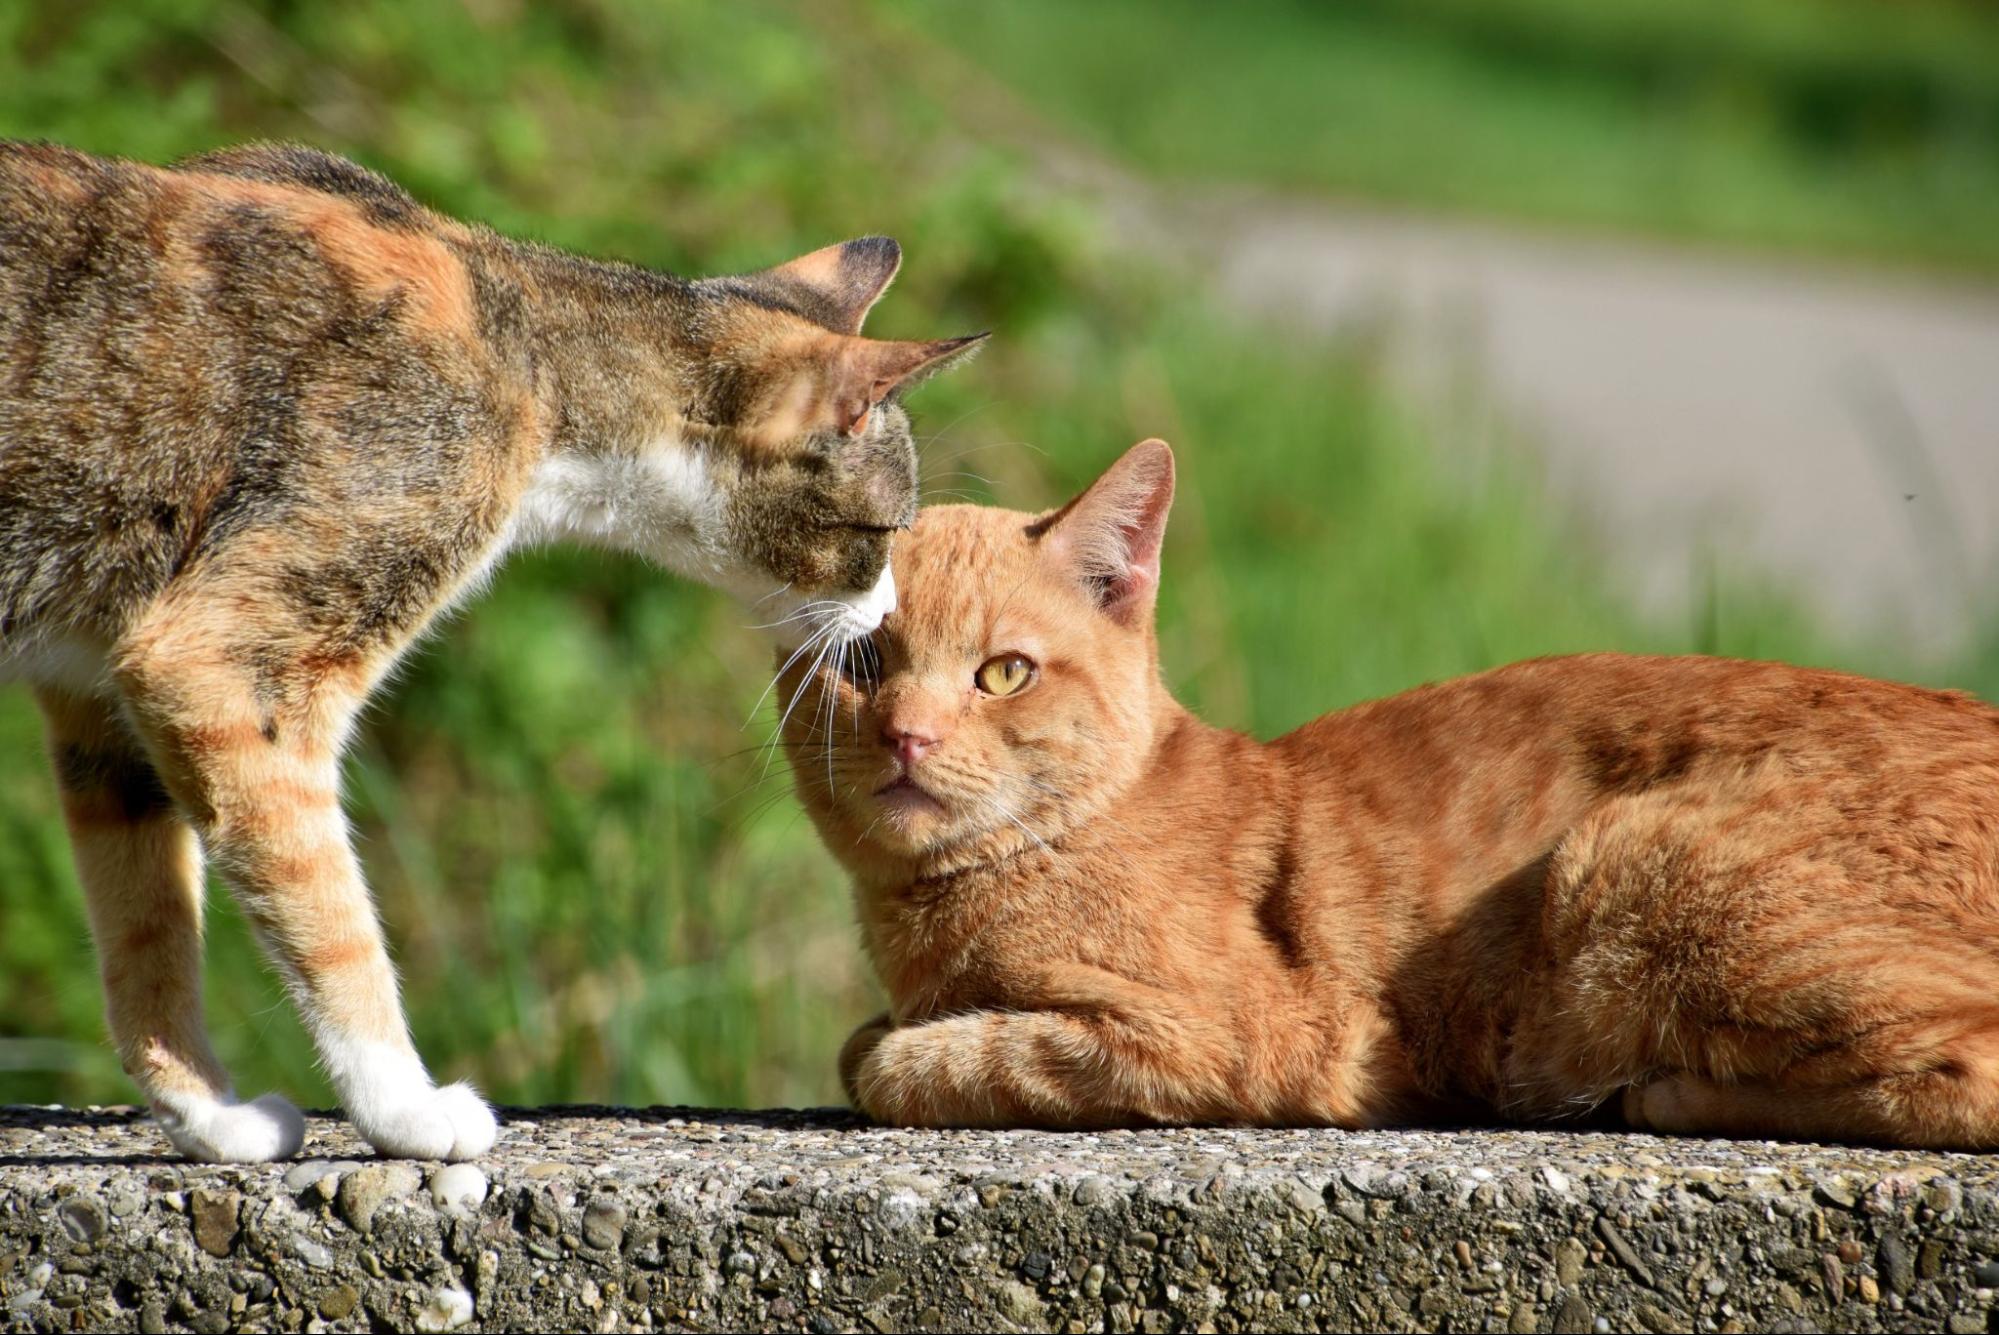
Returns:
<point x="1109" y="537"/>
<point x="869" y="370"/>
<point x="838" y="285"/>
<point x="833" y="383"/>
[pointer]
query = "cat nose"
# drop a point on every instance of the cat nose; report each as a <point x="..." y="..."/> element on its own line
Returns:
<point x="910" y="744"/>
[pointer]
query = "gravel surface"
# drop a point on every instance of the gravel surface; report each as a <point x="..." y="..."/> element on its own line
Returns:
<point x="614" y="1219"/>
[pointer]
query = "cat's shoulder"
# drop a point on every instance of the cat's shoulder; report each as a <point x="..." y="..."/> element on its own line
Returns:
<point x="382" y="201"/>
<point x="35" y="170"/>
<point x="42" y="153"/>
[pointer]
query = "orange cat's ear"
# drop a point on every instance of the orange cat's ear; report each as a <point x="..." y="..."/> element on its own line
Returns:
<point x="1108" y="538"/>
<point x="838" y="285"/>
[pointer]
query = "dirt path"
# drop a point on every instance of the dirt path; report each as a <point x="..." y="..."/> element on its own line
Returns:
<point x="1837" y="430"/>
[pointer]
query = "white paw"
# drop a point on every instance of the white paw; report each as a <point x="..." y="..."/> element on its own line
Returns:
<point x="259" y="1131"/>
<point x="451" y="1123"/>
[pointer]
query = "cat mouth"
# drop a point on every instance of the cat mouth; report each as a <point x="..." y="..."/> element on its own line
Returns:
<point x="904" y="794"/>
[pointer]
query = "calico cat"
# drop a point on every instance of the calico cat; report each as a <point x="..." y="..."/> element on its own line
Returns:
<point x="262" y="417"/>
<point x="1721" y="897"/>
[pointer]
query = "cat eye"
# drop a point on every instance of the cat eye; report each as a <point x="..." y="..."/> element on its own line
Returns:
<point x="1004" y="674"/>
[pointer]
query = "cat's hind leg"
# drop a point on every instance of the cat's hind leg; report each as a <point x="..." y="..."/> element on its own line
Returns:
<point x="249" y="745"/>
<point x="1933" y="1086"/>
<point x="142" y="884"/>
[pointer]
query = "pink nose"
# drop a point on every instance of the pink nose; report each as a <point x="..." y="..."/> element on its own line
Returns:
<point x="909" y="744"/>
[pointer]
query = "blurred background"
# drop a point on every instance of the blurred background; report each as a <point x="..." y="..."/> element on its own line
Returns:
<point x="1483" y="328"/>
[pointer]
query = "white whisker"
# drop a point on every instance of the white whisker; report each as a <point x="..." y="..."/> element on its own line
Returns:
<point x="832" y="701"/>
<point x="802" y="612"/>
<point x="826" y="642"/>
<point x="779" y="674"/>
<point x="778" y="592"/>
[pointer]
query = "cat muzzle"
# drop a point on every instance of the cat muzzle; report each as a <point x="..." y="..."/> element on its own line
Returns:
<point x="838" y="618"/>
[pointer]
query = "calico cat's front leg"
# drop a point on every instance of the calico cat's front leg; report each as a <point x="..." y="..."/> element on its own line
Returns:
<point x="257" y="773"/>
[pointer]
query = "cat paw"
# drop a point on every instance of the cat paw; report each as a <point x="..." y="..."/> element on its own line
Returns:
<point x="1670" y="1103"/>
<point x="855" y="1050"/>
<point x="212" y="1131"/>
<point x="450" y="1123"/>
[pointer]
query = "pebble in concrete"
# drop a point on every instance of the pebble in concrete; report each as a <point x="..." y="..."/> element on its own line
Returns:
<point x="214" y="1215"/>
<point x="447" y="1309"/>
<point x="363" y="1192"/>
<point x="458" y="1186"/>
<point x="82" y="1218"/>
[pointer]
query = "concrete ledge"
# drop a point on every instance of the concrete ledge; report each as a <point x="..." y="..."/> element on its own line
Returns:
<point x="619" y="1219"/>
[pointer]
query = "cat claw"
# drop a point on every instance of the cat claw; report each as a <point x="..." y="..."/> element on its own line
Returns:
<point x="450" y="1123"/>
<point x="213" y="1131"/>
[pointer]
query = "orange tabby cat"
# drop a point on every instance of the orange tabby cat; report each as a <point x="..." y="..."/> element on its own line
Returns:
<point x="1742" y="898"/>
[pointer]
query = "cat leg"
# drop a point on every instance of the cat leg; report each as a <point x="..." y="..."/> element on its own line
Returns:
<point x="142" y="882"/>
<point x="1684" y="1104"/>
<point x="855" y="1050"/>
<point x="1948" y="1098"/>
<point x="261" y="784"/>
<point x="994" y="1069"/>
<point x="1124" y="1058"/>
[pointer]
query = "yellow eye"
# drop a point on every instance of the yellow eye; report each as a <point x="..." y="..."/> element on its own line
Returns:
<point x="1005" y="674"/>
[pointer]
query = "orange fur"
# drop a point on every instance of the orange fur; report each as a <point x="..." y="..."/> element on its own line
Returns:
<point x="384" y="263"/>
<point x="264" y="419"/>
<point x="262" y="781"/>
<point x="1722" y="897"/>
<point x="146" y="919"/>
<point x="380" y="263"/>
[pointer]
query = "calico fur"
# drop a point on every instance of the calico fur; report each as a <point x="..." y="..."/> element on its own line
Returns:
<point x="262" y="418"/>
<point x="1707" y="896"/>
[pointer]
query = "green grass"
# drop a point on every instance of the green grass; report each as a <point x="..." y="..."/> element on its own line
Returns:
<point x="1841" y="126"/>
<point x="595" y="885"/>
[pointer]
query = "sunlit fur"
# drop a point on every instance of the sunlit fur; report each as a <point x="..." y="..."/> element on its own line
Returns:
<point x="263" y="418"/>
<point x="1709" y="896"/>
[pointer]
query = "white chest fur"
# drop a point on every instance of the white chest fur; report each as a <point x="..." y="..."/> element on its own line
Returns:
<point x="663" y="503"/>
<point x="660" y="503"/>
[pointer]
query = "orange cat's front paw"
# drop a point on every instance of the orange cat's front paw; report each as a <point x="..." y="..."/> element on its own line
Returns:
<point x="1632" y="1106"/>
<point x="855" y="1051"/>
<point x="928" y="1074"/>
<point x="881" y="1067"/>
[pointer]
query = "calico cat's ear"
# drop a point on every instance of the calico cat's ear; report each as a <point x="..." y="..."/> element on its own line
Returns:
<point x="837" y="285"/>
<point x="832" y="383"/>
<point x="869" y="370"/>
<point x="1108" y="538"/>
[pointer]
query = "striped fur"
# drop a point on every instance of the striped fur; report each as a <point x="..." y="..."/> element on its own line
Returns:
<point x="1714" y="897"/>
